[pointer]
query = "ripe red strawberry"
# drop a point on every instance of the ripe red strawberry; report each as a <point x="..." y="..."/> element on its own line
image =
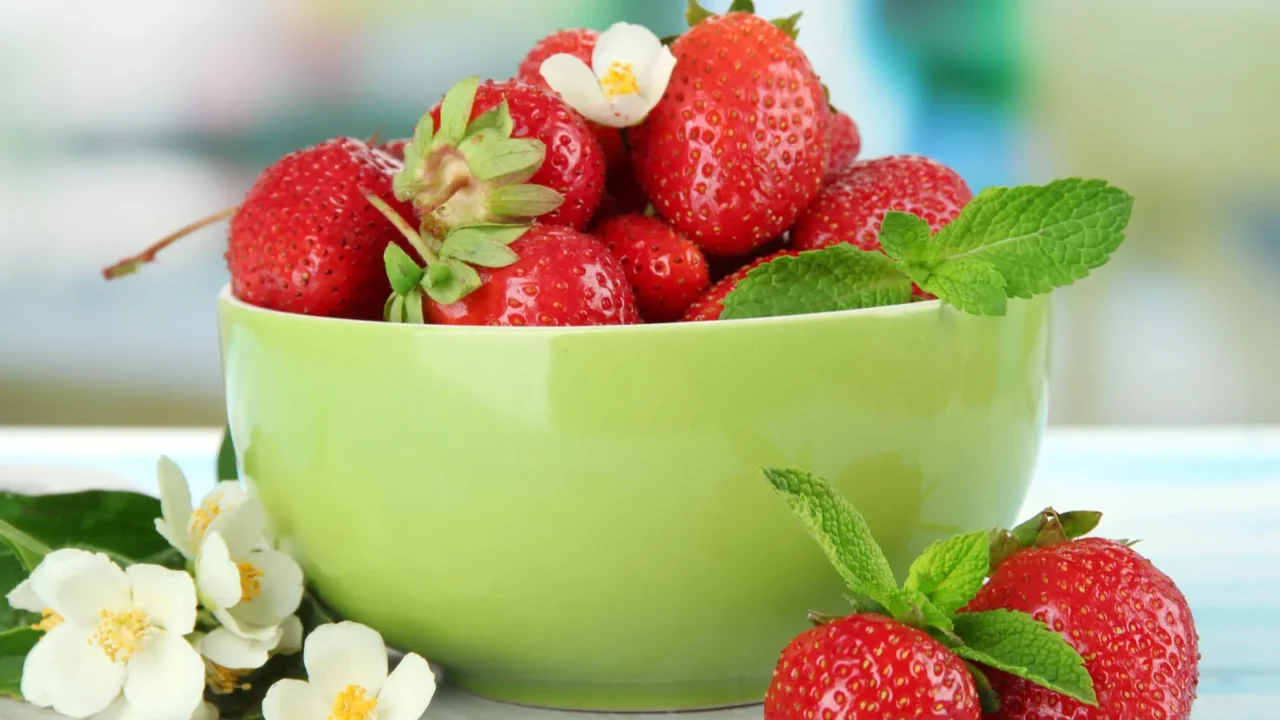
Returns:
<point x="574" y="162"/>
<point x="1124" y="616"/>
<point x="562" y="277"/>
<point x="869" y="666"/>
<point x="722" y="266"/>
<point x="667" y="271"/>
<point x="580" y="43"/>
<point x="305" y="241"/>
<point x="851" y="208"/>
<point x="395" y="148"/>
<point x="737" y="146"/>
<point x="843" y="144"/>
<point x="711" y="303"/>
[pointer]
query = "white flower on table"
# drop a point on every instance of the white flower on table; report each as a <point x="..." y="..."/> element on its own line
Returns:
<point x="347" y="680"/>
<point x="110" y="630"/>
<point x="223" y="509"/>
<point x="630" y="69"/>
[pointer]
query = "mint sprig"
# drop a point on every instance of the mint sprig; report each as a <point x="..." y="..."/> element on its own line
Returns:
<point x="939" y="585"/>
<point x="1008" y="242"/>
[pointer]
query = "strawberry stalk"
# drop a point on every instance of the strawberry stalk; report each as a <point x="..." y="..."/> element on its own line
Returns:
<point x="694" y="13"/>
<point x="1047" y="528"/>
<point x="130" y="265"/>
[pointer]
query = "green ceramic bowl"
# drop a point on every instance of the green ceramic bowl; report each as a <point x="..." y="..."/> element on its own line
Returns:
<point x="576" y="517"/>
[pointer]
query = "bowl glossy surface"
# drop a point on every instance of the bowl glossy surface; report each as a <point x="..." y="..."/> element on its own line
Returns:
<point x="576" y="518"/>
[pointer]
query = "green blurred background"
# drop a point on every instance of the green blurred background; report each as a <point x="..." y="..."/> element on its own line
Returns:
<point x="123" y="120"/>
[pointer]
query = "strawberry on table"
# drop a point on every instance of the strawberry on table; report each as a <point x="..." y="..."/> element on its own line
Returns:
<point x="844" y="142"/>
<point x="1127" y="618"/>
<point x="667" y="271"/>
<point x="737" y="147"/>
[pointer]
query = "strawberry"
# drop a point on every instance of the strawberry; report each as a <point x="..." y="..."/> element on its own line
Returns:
<point x="667" y="271"/>
<point x="736" y="148"/>
<point x="395" y="148"/>
<point x="501" y="152"/>
<point x="851" y="208"/>
<point x="579" y="42"/>
<point x="869" y="666"/>
<point x="1124" y="616"/>
<point x="843" y="144"/>
<point x="721" y="266"/>
<point x="563" y="277"/>
<point x="710" y="304"/>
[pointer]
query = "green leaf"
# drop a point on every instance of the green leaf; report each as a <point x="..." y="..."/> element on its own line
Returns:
<point x="453" y="281"/>
<point x="455" y="112"/>
<point x="227" y="457"/>
<point x="408" y="181"/>
<point x="413" y="307"/>
<point x="1038" y="237"/>
<point x="743" y="6"/>
<point x="970" y="284"/>
<point x="839" y="277"/>
<point x="1021" y="645"/>
<point x="515" y="160"/>
<point x="27" y="549"/>
<point x="497" y="118"/>
<point x="912" y="607"/>
<point x="904" y="236"/>
<point x="12" y="572"/>
<point x="14" y="646"/>
<point x="789" y="25"/>
<point x="523" y="201"/>
<point x="121" y="524"/>
<point x="393" y="308"/>
<point x="402" y="271"/>
<point x="668" y="39"/>
<point x="840" y="530"/>
<point x="950" y="572"/>
<point x="483" y="245"/>
<point x="694" y="13"/>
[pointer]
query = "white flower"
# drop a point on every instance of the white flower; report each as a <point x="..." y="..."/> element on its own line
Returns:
<point x="630" y="68"/>
<point x="111" y="630"/>
<point x="184" y="527"/>
<point x="251" y="590"/>
<point x="347" y="678"/>
<point x="122" y="710"/>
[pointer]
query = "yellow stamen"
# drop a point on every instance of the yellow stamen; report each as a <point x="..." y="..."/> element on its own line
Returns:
<point x="120" y="635"/>
<point x="353" y="704"/>
<point x="224" y="681"/>
<point x="250" y="585"/>
<point x="210" y="509"/>
<point x="48" y="620"/>
<point x="620" y="79"/>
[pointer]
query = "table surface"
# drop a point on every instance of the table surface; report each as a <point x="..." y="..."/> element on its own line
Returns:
<point x="1153" y="484"/>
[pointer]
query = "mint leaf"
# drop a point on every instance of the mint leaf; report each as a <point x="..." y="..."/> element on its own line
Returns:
<point x="950" y="572"/>
<point x="121" y="524"/>
<point x="28" y="550"/>
<point x="912" y="606"/>
<point x="839" y="277"/>
<point x="904" y="236"/>
<point x="970" y="284"/>
<point x="12" y="572"/>
<point x="1038" y="237"/>
<point x="1021" y="645"/>
<point x="402" y="271"/>
<point x="840" y="531"/>
<point x="14" y="646"/>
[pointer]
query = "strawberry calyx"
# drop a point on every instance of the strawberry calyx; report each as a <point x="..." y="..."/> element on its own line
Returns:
<point x="695" y="13"/>
<point x="447" y="271"/>
<point x="472" y="172"/>
<point x="1046" y="529"/>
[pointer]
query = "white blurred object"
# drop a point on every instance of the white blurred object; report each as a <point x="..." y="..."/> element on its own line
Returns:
<point x="45" y="479"/>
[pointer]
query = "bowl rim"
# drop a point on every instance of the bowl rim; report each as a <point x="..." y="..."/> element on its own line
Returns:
<point x="921" y="307"/>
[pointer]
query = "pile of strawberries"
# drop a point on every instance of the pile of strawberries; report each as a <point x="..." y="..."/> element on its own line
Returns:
<point x="741" y="161"/>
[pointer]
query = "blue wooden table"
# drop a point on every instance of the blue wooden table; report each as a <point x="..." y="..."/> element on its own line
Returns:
<point x="1205" y="503"/>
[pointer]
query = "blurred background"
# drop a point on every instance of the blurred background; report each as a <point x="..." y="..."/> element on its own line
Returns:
<point x="123" y="120"/>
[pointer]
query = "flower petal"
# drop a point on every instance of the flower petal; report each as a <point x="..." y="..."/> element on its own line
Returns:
<point x="408" y="690"/>
<point x="294" y="700"/>
<point x="234" y="652"/>
<point x="166" y="678"/>
<point x="217" y="577"/>
<point x="68" y="673"/>
<point x="653" y="83"/>
<point x="577" y="85"/>
<point x="118" y="710"/>
<point x="281" y="589"/>
<point x="174" y="522"/>
<point x="345" y="653"/>
<point x="206" y="711"/>
<point x="24" y="597"/>
<point x="290" y="636"/>
<point x="627" y="44"/>
<point x="245" y="630"/>
<point x="242" y="525"/>
<point x="168" y="597"/>
<point x="79" y="585"/>
<point x="625" y="111"/>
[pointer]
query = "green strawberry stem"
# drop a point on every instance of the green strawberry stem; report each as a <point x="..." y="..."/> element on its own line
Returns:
<point x="1047" y="528"/>
<point x="414" y="237"/>
<point x="695" y="13"/>
<point x="131" y="264"/>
